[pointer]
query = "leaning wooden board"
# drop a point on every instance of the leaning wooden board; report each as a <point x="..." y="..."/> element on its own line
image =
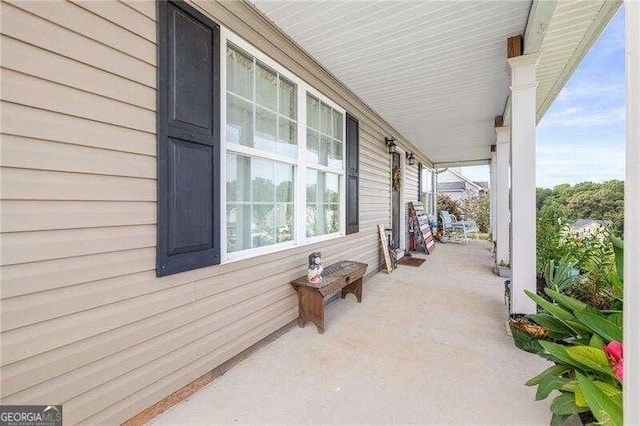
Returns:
<point x="422" y="224"/>
<point x="385" y="249"/>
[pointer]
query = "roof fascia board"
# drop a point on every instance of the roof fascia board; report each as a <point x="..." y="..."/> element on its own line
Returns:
<point x="537" y="24"/>
<point x="609" y="8"/>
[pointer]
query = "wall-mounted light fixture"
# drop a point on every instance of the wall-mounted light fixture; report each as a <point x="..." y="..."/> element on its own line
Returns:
<point x="391" y="144"/>
<point x="411" y="159"/>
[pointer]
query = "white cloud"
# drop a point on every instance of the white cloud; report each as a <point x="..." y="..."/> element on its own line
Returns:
<point x="591" y="87"/>
<point x="577" y="116"/>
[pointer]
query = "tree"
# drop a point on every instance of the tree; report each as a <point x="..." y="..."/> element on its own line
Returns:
<point x="585" y="200"/>
<point x="541" y="196"/>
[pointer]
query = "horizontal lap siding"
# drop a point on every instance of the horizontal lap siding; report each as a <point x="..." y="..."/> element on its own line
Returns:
<point x="84" y="320"/>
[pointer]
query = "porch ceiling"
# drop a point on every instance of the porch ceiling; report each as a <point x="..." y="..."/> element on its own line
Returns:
<point x="437" y="70"/>
<point x="434" y="70"/>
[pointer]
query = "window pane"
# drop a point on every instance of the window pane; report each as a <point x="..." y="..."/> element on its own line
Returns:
<point x="312" y="220"/>
<point x="284" y="222"/>
<point x="337" y="125"/>
<point x="267" y="88"/>
<point x="325" y="119"/>
<point x="239" y="73"/>
<point x="325" y="146"/>
<point x="263" y="226"/>
<point x="288" y="99"/>
<point x="313" y="146"/>
<point x="335" y="154"/>
<point x="313" y="112"/>
<point x="239" y="121"/>
<point x="284" y="183"/>
<point x="266" y="130"/>
<point x="332" y="218"/>
<point x="238" y="177"/>
<point x="288" y="138"/>
<point x="254" y="218"/>
<point x="312" y="186"/>
<point x="262" y="180"/>
<point x="332" y="188"/>
<point x="238" y="227"/>
<point x="323" y="203"/>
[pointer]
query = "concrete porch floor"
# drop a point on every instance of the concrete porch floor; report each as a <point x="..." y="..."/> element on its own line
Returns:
<point x="426" y="346"/>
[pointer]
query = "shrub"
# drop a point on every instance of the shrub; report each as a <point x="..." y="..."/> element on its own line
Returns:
<point x="550" y="228"/>
<point x="447" y="203"/>
<point x="476" y="207"/>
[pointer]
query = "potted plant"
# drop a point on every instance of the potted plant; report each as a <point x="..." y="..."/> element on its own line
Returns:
<point x="526" y="333"/>
<point x="504" y="269"/>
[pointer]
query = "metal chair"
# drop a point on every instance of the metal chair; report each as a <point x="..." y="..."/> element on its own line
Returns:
<point x="451" y="224"/>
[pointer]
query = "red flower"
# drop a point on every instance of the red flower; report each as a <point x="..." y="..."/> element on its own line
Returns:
<point x="614" y="350"/>
<point x="618" y="369"/>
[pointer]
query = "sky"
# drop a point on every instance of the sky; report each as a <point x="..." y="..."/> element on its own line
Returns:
<point x="582" y="136"/>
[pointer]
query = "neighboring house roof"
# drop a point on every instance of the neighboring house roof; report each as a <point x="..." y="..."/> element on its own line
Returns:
<point x="451" y="186"/>
<point x="462" y="184"/>
<point x="582" y="223"/>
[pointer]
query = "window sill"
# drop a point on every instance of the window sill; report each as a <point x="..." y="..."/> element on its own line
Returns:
<point x="253" y="253"/>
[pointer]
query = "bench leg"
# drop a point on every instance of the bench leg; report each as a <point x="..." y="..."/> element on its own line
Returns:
<point x="311" y="308"/>
<point x="354" y="288"/>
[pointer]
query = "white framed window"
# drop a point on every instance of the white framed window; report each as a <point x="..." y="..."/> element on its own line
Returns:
<point x="283" y="150"/>
<point x="428" y="190"/>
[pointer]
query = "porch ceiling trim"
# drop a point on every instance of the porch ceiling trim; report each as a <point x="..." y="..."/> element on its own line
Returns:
<point x="465" y="163"/>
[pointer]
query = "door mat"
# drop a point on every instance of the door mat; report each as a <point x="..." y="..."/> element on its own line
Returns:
<point x="411" y="261"/>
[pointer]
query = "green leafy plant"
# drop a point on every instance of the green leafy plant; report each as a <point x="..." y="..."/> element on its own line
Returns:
<point x="580" y="334"/>
<point x="560" y="276"/>
<point x="550" y="229"/>
<point x="504" y="264"/>
<point x="585" y="345"/>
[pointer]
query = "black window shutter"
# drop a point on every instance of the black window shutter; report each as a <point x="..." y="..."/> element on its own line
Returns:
<point x="419" y="181"/>
<point x="188" y="139"/>
<point x="353" y="174"/>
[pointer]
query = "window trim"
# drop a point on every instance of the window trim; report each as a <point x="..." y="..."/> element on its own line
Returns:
<point x="428" y="175"/>
<point x="300" y="163"/>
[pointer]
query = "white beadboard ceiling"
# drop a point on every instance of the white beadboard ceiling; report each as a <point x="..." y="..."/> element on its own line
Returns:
<point x="435" y="70"/>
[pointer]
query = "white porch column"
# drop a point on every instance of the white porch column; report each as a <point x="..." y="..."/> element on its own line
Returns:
<point x="632" y="220"/>
<point x="492" y="193"/>
<point x="523" y="181"/>
<point x="503" y="215"/>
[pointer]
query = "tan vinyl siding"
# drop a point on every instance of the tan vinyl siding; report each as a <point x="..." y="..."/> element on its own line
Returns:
<point x="84" y="320"/>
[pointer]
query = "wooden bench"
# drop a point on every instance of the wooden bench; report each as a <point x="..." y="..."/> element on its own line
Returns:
<point x="345" y="276"/>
